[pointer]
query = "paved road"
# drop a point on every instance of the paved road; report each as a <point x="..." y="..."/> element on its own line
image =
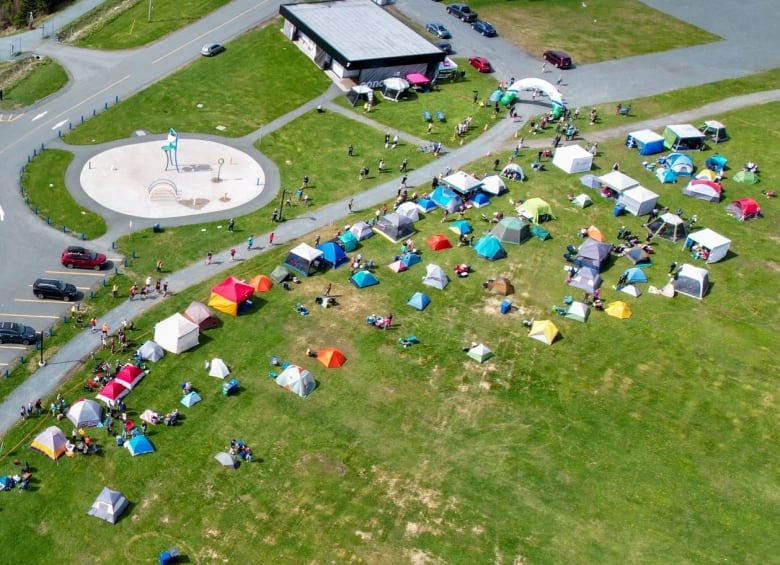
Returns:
<point x="99" y="78"/>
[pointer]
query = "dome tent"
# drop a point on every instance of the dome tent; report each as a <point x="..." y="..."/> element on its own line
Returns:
<point x="489" y="247"/>
<point x="297" y="380"/>
<point x="480" y="353"/>
<point x="439" y="242"/>
<point x="536" y="210"/>
<point x="743" y="209"/>
<point x="348" y="241"/>
<point x="544" y="331"/>
<point x="51" y="442"/>
<point x="108" y="506"/>
<point x="395" y="227"/>
<point x="668" y="226"/>
<point x="435" y="277"/>
<point x="703" y="189"/>
<point x="85" y="413"/>
<point x="150" y="351"/>
<point x="201" y="314"/>
<point x="419" y="301"/>
<point x="362" y="279"/>
<point x="691" y="281"/>
<point x="361" y="230"/>
<point x="333" y="255"/>
<point x="512" y="230"/>
<point x="410" y="210"/>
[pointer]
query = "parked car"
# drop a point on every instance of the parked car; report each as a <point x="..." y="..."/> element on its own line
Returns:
<point x="484" y="28"/>
<point x="211" y="49"/>
<point x="54" y="288"/>
<point x="438" y="30"/>
<point x="481" y="64"/>
<point x="558" y="58"/>
<point x="77" y="256"/>
<point x="445" y="46"/>
<point x="14" y="332"/>
<point x="462" y="12"/>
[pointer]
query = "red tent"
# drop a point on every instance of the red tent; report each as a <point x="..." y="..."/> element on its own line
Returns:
<point x="112" y="392"/>
<point x="744" y="208"/>
<point x="129" y="376"/>
<point x="439" y="241"/>
<point x="227" y="295"/>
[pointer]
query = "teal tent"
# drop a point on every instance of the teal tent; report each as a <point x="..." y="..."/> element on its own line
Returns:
<point x="139" y="445"/>
<point x="635" y="275"/>
<point x="362" y="279"/>
<point x="419" y="301"/>
<point x="489" y="247"/>
<point x="410" y="259"/>
<point x="348" y="241"/>
<point x="190" y="399"/>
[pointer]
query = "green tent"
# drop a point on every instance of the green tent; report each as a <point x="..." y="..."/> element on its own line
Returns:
<point x="535" y="209"/>
<point x="746" y="177"/>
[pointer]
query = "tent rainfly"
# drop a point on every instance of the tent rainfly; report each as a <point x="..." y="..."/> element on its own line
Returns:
<point x="226" y="460"/>
<point x="108" y="506"/>
<point x="489" y="247"/>
<point x="593" y="253"/>
<point x="176" y="333"/>
<point x="544" y="331"/>
<point x="297" y="380"/>
<point x="501" y="286"/>
<point x="691" y="281"/>
<point x="493" y="184"/>
<point x="261" y="283"/>
<point x="439" y="242"/>
<point x="362" y="279"/>
<point x="85" y="413"/>
<point x="410" y="210"/>
<point x="348" y="241"/>
<point x="280" y="274"/>
<point x="679" y="163"/>
<point x="129" y="376"/>
<point x="111" y="392"/>
<point x="446" y="199"/>
<point x="51" y="442"/>
<point x="435" y="277"/>
<point x="304" y="259"/>
<point x="577" y="311"/>
<point x="703" y="189"/>
<point x="573" y="159"/>
<point x="190" y="399"/>
<point x="139" y="445"/>
<point x="743" y="209"/>
<point x="708" y="245"/>
<point x="419" y="301"/>
<point x="512" y="230"/>
<point x="333" y="254"/>
<point x="331" y="357"/>
<point x="536" y="210"/>
<point x="582" y="201"/>
<point x="587" y="279"/>
<point x="361" y="230"/>
<point x="218" y="369"/>
<point x="618" y="309"/>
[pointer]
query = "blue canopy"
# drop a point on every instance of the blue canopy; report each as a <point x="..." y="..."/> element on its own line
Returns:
<point x="419" y="301"/>
<point x="362" y="279"/>
<point x="489" y="247"/>
<point x="332" y="254"/>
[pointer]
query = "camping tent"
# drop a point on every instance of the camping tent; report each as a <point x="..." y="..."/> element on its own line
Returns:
<point x="635" y="275"/>
<point x="590" y="181"/>
<point x="139" y="445"/>
<point x="217" y="368"/>
<point x="394" y="227"/>
<point x="593" y="253"/>
<point x="226" y="460"/>
<point x="333" y="254"/>
<point x="681" y="164"/>
<point x="362" y="279"/>
<point x="410" y="259"/>
<point x="190" y="399"/>
<point x="419" y="301"/>
<point x="544" y="331"/>
<point x="638" y="256"/>
<point x="297" y="380"/>
<point x="647" y="141"/>
<point x="638" y="200"/>
<point x="582" y="200"/>
<point x="586" y="278"/>
<point x="595" y="233"/>
<point x="394" y="87"/>
<point x="51" y="442"/>
<point x="435" y="277"/>
<point x="150" y="351"/>
<point x="706" y="174"/>
<point x="176" y="333"/>
<point x="577" y="311"/>
<point x="438" y="242"/>
<point x="361" y="230"/>
<point x="668" y="226"/>
<point x="348" y="241"/>
<point x="462" y="183"/>
<point x="683" y="137"/>
<point x="479" y="200"/>
<point x="703" y="189"/>
<point x="715" y="246"/>
<point x="111" y="392"/>
<point x="573" y="159"/>
<point x="129" y="376"/>
<point x="410" y="210"/>
<point x="397" y="266"/>
<point x="715" y="130"/>
<point x="280" y="274"/>
<point x="501" y="285"/>
<point x="618" y="182"/>
<point x="744" y="209"/>
<point x="425" y="205"/>
<point x="631" y="290"/>
<point x="260" y="283"/>
<point x="513" y="171"/>
<point x="493" y="184"/>
<point x="85" y="413"/>
<point x="745" y="177"/>
<point x="618" y="309"/>
<point x="691" y="281"/>
<point x="480" y="353"/>
<point x="489" y="247"/>
<point x="716" y="163"/>
<point x="303" y="259"/>
<point x="108" y="506"/>
<point x="665" y="175"/>
<point x="446" y="199"/>
<point x="229" y="295"/>
<point x="201" y="314"/>
<point x="536" y="210"/>
<point x="331" y="357"/>
<point x="512" y="230"/>
<point x="461" y="227"/>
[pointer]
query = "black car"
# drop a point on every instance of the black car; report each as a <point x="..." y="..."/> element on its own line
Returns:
<point x="13" y="332"/>
<point x="438" y="30"/>
<point x="445" y="46"/>
<point x="462" y="12"/>
<point x="484" y="28"/>
<point x="54" y="288"/>
<point x="560" y="59"/>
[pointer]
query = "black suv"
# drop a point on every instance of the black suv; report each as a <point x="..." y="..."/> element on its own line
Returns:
<point x="560" y="59"/>
<point x="13" y="332"/>
<point x="53" y="288"/>
<point x="462" y="12"/>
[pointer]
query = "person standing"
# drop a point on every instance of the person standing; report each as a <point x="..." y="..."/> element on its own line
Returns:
<point x="349" y="205"/>
<point x="430" y="127"/>
<point x="160" y="261"/>
<point x="350" y="150"/>
<point x="93" y="324"/>
<point x="250" y="241"/>
<point x="317" y="240"/>
<point x="115" y="290"/>
<point x="672" y="268"/>
<point x="232" y="254"/>
<point x="388" y="320"/>
<point x="305" y="183"/>
<point x="544" y="67"/>
<point x="404" y="164"/>
<point x="231" y="227"/>
<point x="381" y="166"/>
<point x="327" y="289"/>
<point x="104" y="329"/>
<point x="209" y="256"/>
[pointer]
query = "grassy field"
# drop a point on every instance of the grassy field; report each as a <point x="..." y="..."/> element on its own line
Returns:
<point x="25" y="82"/>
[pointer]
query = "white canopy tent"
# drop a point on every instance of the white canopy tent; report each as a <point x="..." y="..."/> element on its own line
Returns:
<point x="716" y="245"/>
<point x="638" y="200"/>
<point x="394" y="87"/>
<point x="573" y="159"/>
<point x="176" y="333"/>
<point x="618" y="181"/>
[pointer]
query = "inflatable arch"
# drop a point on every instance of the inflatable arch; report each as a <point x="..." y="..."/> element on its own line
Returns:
<point x="536" y="84"/>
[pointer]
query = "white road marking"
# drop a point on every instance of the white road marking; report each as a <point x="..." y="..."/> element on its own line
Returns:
<point x="59" y="124"/>
<point x="39" y="116"/>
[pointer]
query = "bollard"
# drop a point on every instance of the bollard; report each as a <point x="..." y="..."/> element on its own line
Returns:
<point x="29" y="160"/>
<point x="116" y="99"/>
<point x="113" y="245"/>
<point x="104" y="283"/>
<point x="59" y="133"/>
<point x="83" y="237"/>
<point x="105" y="106"/>
<point x="35" y="211"/>
<point x="82" y="118"/>
<point x="42" y="147"/>
<point x="94" y="113"/>
<point x="132" y="254"/>
<point x="35" y="152"/>
<point x="124" y="262"/>
<point x="48" y="221"/>
<point x="70" y="125"/>
<point x="116" y="270"/>
<point x="6" y="373"/>
<point x="91" y="294"/>
<point x="21" y="359"/>
<point x="65" y="319"/>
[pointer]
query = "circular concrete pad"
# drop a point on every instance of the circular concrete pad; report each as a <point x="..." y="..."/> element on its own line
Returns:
<point x="132" y="179"/>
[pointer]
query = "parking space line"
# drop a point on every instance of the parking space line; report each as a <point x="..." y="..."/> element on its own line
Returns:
<point x="85" y="273"/>
<point x="6" y="346"/>
<point x="28" y="316"/>
<point x="38" y="301"/>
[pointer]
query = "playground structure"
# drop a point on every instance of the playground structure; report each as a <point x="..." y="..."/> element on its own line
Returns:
<point x="164" y="189"/>
<point x="536" y="85"/>
<point x="172" y="150"/>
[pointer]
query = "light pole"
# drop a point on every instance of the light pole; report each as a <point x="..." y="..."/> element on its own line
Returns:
<point x="284" y="193"/>
<point x="150" y="11"/>
<point x="41" y="363"/>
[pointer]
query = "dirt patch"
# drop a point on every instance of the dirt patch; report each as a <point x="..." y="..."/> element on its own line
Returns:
<point x="420" y="557"/>
<point x="326" y="465"/>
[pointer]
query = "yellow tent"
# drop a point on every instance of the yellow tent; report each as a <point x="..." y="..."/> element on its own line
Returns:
<point x="618" y="309"/>
<point x="51" y="442"/>
<point x="223" y="304"/>
<point x="544" y="331"/>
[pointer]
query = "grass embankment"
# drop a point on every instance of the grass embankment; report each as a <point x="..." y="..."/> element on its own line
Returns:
<point x="27" y="81"/>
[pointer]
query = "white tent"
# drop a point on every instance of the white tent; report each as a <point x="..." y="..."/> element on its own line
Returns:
<point x="462" y="182"/>
<point x="435" y="277"/>
<point x="638" y="200"/>
<point x="573" y="159"/>
<point x="493" y="185"/>
<point x="217" y="368"/>
<point x="108" y="506"/>
<point x="618" y="181"/>
<point x="715" y="245"/>
<point x="692" y="281"/>
<point x="176" y="333"/>
<point x="582" y="200"/>
<point x="297" y="380"/>
<point x="410" y="210"/>
<point x="394" y="87"/>
<point x="85" y="413"/>
<point x="361" y="230"/>
<point x="150" y="351"/>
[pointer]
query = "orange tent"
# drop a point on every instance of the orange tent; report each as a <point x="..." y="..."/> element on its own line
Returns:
<point x="261" y="283"/>
<point x="595" y="233"/>
<point x="331" y="357"/>
<point x="439" y="241"/>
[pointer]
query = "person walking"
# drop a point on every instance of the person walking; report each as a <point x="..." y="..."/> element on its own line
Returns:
<point x="544" y="67"/>
<point x="381" y="166"/>
<point x="317" y="240"/>
<point x="404" y="164"/>
<point x="250" y="241"/>
<point x="305" y="183"/>
<point x="115" y="290"/>
<point x="231" y="225"/>
<point x="93" y="325"/>
<point x="327" y="290"/>
<point x="160" y="261"/>
<point x="388" y="320"/>
<point x="209" y="256"/>
<point x="271" y="238"/>
<point x="430" y="127"/>
<point x="104" y="329"/>
<point x="350" y="150"/>
<point x="349" y="205"/>
<point x="232" y="254"/>
<point x="559" y="81"/>
<point x="672" y="268"/>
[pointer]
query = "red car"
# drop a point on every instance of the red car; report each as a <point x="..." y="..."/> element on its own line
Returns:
<point x="77" y="256"/>
<point x="481" y="64"/>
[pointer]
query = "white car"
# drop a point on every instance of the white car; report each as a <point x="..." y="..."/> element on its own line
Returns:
<point x="211" y="49"/>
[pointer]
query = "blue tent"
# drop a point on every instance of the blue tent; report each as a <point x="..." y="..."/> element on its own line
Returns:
<point x="635" y="275"/>
<point x="489" y="247"/>
<point x="348" y="241"/>
<point x="665" y="175"/>
<point x="332" y="254"/>
<point x="461" y="227"/>
<point x="190" y="399"/>
<point x="681" y="164"/>
<point x="716" y="163"/>
<point x="419" y="301"/>
<point x="362" y="279"/>
<point x="446" y="198"/>
<point x="479" y="200"/>
<point x="139" y="445"/>
<point x="426" y="204"/>
<point x="410" y="259"/>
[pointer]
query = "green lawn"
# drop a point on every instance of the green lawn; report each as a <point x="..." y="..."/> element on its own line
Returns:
<point x="26" y="82"/>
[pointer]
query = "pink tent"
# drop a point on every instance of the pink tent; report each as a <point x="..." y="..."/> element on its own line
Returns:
<point x="417" y="78"/>
<point x="112" y="392"/>
<point x="129" y="376"/>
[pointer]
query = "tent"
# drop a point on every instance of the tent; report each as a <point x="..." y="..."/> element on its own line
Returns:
<point x="582" y="201"/>
<point x="631" y="290"/>
<point x="573" y="159"/>
<point x="361" y="230"/>
<point x="716" y="163"/>
<point x="536" y="210"/>
<point x="706" y="174"/>
<point x="200" y="314"/>
<point x="229" y="295"/>
<point x="226" y="460"/>
<point x="410" y="210"/>
<point x="462" y="183"/>
<point x="190" y="399"/>
<point x="638" y="200"/>
<point x="394" y="227"/>
<point x="714" y="246"/>
<point x="489" y="247"/>
<point x="348" y="241"/>
<point x="590" y="181"/>
<point x="577" y="311"/>
<point x="683" y="137"/>
<point x="129" y="376"/>
<point x="332" y="254"/>
<point x="51" y="442"/>
<point x="393" y="88"/>
<point x="668" y="226"/>
<point x="280" y="274"/>
<point x="108" y="506"/>
<point x="679" y="163"/>
<point x="715" y="130"/>
<point x="512" y="230"/>
<point x="618" y="182"/>
<point x="479" y="200"/>
<point x="139" y="445"/>
<point x="447" y="69"/>
<point x="397" y="266"/>
<point x="745" y="177"/>
<point x="635" y="275"/>
<point x="501" y="286"/>
<point x="331" y="357"/>
<point x="419" y="301"/>
<point x="435" y="277"/>
<point x="703" y="189"/>
<point x="646" y="141"/>
<point x="743" y="209"/>
<point x="303" y="259"/>
<point x="425" y="205"/>
<point x="85" y="413"/>
<point x="176" y="333"/>
<point x="618" y="309"/>
<point x="638" y="256"/>
<point x="359" y="92"/>
<point x="217" y="368"/>
<point x="438" y="242"/>
<point x="446" y="199"/>
<point x="593" y="253"/>
<point x="544" y="331"/>
<point x="410" y="259"/>
<point x="595" y="233"/>
<point x="586" y="278"/>
<point x="111" y="392"/>
<point x="665" y="175"/>
<point x="260" y="283"/>
<point x="150" y="351"/>
<point x="418" y="79"/>
<point x="297" y="380"/>
<point x="691" y="281"/>
<point x="493" y="184"/>
<point x="480" y="353"/>
<point x="513" y="171"/>
<point x="362" y="279"/>
<point x="461" y="227"/>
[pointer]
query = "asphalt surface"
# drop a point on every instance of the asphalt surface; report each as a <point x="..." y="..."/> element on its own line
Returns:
<point x="749" y="46"/>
